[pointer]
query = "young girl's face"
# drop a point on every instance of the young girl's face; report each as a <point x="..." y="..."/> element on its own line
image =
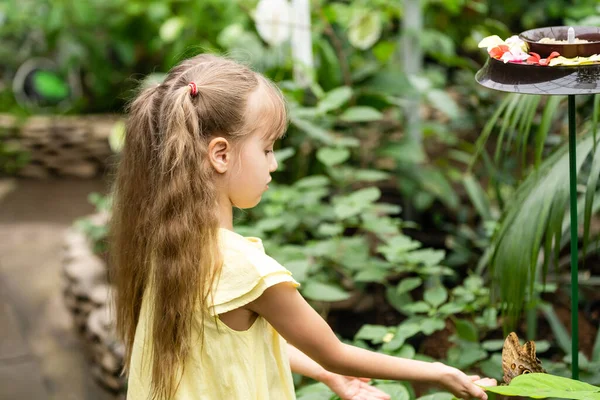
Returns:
<point x="251" y="173"/>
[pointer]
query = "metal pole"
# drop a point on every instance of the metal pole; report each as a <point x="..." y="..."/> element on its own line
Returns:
<point x="574" y="241"/>
<point x="412" y="60"/>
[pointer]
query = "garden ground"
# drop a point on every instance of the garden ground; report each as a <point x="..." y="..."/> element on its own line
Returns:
<point x="41" y="356"/>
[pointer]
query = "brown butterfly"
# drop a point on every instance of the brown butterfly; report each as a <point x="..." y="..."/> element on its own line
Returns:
<point x="517" y="359"/>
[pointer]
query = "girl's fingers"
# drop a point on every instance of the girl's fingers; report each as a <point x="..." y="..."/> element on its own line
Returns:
<point x="360" y="379"/>
<point x="486" y="382"/>
<point x="474" y="377"/>
<point x="479" y="393"/>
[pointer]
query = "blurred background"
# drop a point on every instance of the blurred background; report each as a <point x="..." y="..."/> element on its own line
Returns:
<point x="424" y="215"/>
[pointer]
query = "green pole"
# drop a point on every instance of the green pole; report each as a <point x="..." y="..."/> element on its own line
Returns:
<point x="574" y="241"/>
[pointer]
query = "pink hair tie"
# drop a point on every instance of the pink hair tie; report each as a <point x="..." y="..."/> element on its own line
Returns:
<point x="194" y="90"/>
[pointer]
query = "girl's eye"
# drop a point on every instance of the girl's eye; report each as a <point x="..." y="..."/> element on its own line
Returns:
<point x="268" y="151"/>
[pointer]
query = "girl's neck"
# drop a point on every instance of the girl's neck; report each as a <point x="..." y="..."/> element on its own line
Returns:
<point x="225" y="214"/>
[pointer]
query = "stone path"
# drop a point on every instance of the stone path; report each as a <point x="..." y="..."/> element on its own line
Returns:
<point x="40" y="355"/>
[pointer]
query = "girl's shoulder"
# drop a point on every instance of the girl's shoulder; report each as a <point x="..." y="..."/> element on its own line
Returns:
<point x="246" y="272"/>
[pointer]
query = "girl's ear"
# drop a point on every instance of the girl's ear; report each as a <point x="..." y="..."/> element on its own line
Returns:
<point x="219" y="154"/>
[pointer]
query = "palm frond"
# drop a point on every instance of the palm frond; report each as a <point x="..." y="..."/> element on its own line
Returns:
<point x="535" y="212"/>
<point x="547" y="117"/>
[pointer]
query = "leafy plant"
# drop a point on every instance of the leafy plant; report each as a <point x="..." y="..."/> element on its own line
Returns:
<point x="95" y="228"/>
<point x="541" y="386"/>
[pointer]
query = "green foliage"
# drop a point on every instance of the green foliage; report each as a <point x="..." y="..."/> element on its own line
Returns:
<point x="109" y="44"/>
<point x="96" y="230"/>
<point x="541" y="386"/>
<point x="12" y="156"/>
<point x="346" y="163"/>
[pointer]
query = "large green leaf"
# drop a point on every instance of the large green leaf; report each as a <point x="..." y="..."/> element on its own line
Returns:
<point x="437" y="396"/>
<point x="334" y="99"/>
<point x="519" y="238"/>
<point x="396" y="390"/>
<point x="313" y="130"/>
<point x="408" y="284"/>
<point x="365" y="28"/>
<point x="361" y="114"/>
<point x="541" y="386"/>
<point x="443" y="102"/>
<point x="436" y="295"/>
<point x="477" y="196"/>
<point x="332" y="156"/>
<point x="171" y="29"/>
<point x="324" y="292"/>
<point x="374" y="333"/>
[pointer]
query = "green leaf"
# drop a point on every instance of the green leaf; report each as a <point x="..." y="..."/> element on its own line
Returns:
<point x="464" y="356"/>
<point x="315" y="391"/>
<point x="283" y="154"/>
<point x="298" y="268"/>
<point x="394" y="344"/>
<point x="428" y="257"/>
<point x="596" y="349"/>
<point x="451" y="308"/>
<point x="558" y="329"/>
<point x="430" y="325"/>
<point x="326" y="229"/>
<point x="270" y="224"/>
<point x="334" y="99"/>
<point x="171" y="29"/>
<point x="354" y="203"/>
<point x="332" y="156"/>
<point x="520" y="235"/>
<point x="466" y="330"/>
<point x="314" y="131"/>
<point x="477" y="196"/>
<point x="324" y="292"/>
<point x="406" y="351"/>
<point x="361" y="114"/>
<point x="313" y="181"/>
<point x="395" y="390"/>
<point x="408" y="284"/>
<point x="590" y="192"/>
<point x="370" y="175"/>
<point x="437" y="396"/>
<point x="443" y="102"/>
<point x="50" y="85"/>
<point x="374" y="333"/>
<point x="541" y="386"/>
<point x="545" y="125"/>
<point x="436" y="295"/>
<point x="416" y="307"/>
<point x="405" y="151"/>
<point x="492" y="367"/>
<point x="371" y="274"/>
<point x="493" y="345"/>
<point x="365" y="28"/>
<point x="384" y="50"/>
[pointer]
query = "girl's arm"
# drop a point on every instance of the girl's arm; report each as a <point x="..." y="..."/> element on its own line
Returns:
<point x="304" y="365"/>
<point x="344" y="386"/>
<point x="287" y="311"/>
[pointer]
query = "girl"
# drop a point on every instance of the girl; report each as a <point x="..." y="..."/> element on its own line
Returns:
<point x="204" y="313"/>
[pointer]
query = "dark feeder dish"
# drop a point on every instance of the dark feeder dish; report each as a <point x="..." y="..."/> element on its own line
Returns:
<point x="568" y="50"/>
<point x="555" y="80"/>
<point x="545" y="80"/>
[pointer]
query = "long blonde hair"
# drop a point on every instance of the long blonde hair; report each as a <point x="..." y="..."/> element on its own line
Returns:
<point x="164" y="229"/>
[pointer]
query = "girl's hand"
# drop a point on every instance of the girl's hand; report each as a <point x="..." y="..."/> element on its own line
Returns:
<point x="463" y="386"/>
<point x="351" y="388"/>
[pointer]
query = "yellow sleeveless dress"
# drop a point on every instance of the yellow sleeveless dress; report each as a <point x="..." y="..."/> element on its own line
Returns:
<point x="231" y="365"/>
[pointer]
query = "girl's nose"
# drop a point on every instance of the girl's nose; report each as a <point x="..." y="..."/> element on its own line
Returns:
<point x="273" y="165"/>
